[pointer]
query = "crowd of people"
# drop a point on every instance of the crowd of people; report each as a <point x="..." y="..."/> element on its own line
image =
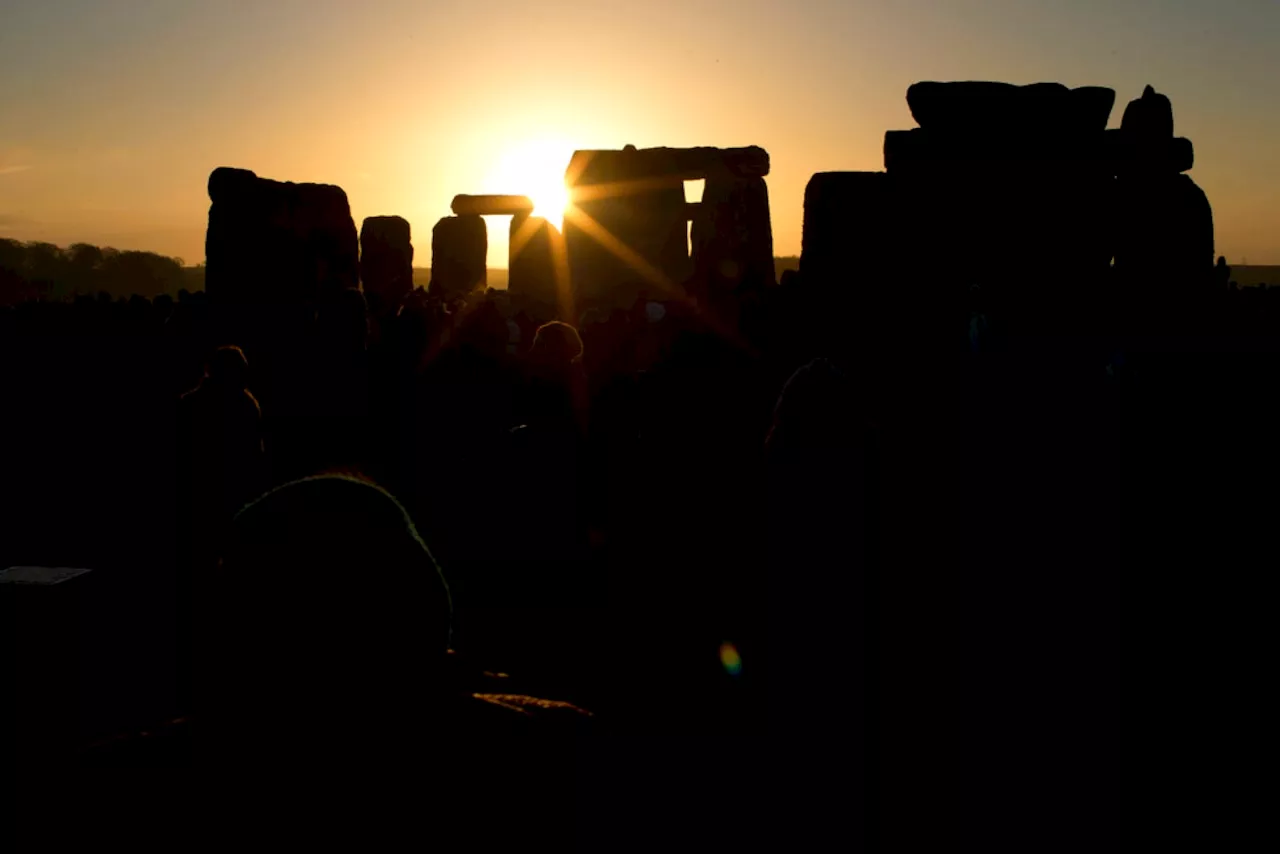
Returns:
<point x="342" y="531"/>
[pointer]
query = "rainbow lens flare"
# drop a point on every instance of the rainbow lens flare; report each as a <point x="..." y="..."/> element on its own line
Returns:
<point x="730" y="659"/>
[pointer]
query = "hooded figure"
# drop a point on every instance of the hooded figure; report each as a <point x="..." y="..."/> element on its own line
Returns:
<point x="327" y="610"/>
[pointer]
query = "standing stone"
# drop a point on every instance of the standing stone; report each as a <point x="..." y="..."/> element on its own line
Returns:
<point x="273" y="251"/>
<point x="630" y="234"/>
<point x="627" y="232"/>
<point x="275" y="242"/>
<point x="1164" y="236"/>
<point x="386" y="260"/>
<point x="849" y="247"/>
<point x="459" y="253"/>
<point x="1000" y="180"/>
<point x="536" y="249"/>
<point x="732" y="236"/>
<point x="847" y="229"/>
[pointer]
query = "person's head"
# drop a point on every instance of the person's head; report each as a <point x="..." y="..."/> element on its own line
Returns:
<point x="326" y="598"/>
<point x="228" y="367"/>
<point x="815" y="413"/>
<point x="482" y="329"/>
<point x="556" y="344"/>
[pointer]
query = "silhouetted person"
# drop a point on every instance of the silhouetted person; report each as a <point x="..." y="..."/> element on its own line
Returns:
<point x="1222" y="274"/>
<point x="327" y="610"/>
<point x="557" y="380"/>
<point x="463" y="409"/>
<point x="323" y="638"/>
<point x="543" y="561"/>
<point x="222" y="456"/>
<point x="554" y="410"/>
<point x="819" y="597"/>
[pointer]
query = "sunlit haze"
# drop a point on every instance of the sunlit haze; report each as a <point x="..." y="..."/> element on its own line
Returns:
<point x="112" y="114"/>
<point x="534" y="168"/>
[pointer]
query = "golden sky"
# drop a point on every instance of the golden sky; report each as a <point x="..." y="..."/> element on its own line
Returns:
<point x="113" y="113"/>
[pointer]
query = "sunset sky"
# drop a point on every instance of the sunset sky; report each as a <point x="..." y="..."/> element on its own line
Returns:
<point x="113" y="113"/>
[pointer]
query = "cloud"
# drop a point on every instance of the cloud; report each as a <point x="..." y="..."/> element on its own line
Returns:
<point x="10" y="170"/>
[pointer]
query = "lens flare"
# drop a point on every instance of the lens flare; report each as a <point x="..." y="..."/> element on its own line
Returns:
<point x="535" y="168"/>
<point x="730" y="659"/>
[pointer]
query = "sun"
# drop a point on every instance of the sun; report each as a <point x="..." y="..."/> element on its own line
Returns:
<point x="535" y="168"/>
<point x="550" y="202"/>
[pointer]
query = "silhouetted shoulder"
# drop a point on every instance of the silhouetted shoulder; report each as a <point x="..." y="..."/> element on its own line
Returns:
<point x="249" y="403"/>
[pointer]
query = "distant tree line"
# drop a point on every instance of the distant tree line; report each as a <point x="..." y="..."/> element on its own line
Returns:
<point x="37" y="270"/>
<point x="44" y="271"/>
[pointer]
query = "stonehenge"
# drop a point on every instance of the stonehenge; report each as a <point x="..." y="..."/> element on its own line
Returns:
<point x="732" y="237"/>
<point x="629" y="229"/>
<point x="536" y="256"/>
<point x="976" y="107"/>
<point x="995" y="181"/>
<point x="386" y="259"/>
<point x="1164" y="223"/>
<point x="277" y="242"/>
<point x="492" y="205"/>
<point x="1018" y="167"/>
<point x="845" y="226"/>
<point x="1001" y="186"/>
<point x="459" y="250"/>
<point x="460" y="243"/>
